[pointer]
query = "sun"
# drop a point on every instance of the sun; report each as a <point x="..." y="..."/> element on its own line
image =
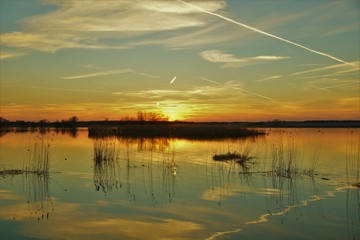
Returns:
<point x="173" y="113"/>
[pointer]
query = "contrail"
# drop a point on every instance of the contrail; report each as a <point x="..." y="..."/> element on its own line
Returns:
<point x="266" y="34"/>
<point x="173" y="80"/>
<point x="258" y="95"/>
<point x="205" y="79"/>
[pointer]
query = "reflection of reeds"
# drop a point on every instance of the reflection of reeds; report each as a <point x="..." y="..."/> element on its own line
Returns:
<point x="353" y="159"/>
<point x="105" y="160"/>
<point x="38" y="195"/>
<point x="315" y="149"/>
<point x="353" y="181"/>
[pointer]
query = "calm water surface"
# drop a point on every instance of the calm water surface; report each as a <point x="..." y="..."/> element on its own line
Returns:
<point x="173" y="189"/>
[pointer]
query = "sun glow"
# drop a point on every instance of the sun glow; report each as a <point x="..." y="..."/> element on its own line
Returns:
<point x="174" y="113"/>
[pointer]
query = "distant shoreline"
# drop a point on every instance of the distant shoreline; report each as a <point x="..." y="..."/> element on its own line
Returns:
<point x="268" y="124"/>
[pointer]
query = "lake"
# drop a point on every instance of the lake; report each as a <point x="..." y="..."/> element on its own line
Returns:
<point x="161" y="188"/>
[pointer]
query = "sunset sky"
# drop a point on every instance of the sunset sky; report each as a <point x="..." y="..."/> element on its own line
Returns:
<point x="235" y="60"/>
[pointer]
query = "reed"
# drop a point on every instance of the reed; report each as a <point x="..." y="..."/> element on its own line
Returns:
<point x="284" y="158"/>
<point x="38" y="156"/>
<point x="105" y="159"/>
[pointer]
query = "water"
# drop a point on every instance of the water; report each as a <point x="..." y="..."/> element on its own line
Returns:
<point x="173" y="189"/>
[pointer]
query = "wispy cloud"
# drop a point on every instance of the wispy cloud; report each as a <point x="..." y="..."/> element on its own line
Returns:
<point x="6" y="54"/>
<point x="97" y="74"/>
<point x="208" y="80"/>
<point x="265" y="33"/>
<point x="81" y="24"/>
<point x="148" y="75"/>
<point x="68" y="89"/>
<point x="338" y="85"/>
<point x="228" y="92"/>
<point x="192" y="37"/>
<point x="230" y="61"/>
<point x="269" y="78"/>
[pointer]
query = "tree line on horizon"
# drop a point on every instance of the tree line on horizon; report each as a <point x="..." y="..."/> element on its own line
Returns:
<point x="140" y="116"/>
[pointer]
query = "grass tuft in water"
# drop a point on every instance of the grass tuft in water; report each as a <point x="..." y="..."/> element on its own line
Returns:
<point x="237" y="157"/>
<point x="105" y="160"/>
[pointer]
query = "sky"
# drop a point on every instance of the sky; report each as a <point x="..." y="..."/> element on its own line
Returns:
<point x="195" y="60"/>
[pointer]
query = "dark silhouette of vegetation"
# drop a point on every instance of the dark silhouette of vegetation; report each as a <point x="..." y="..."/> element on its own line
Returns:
<point x="151" y="116"/>
<point x="237" y="157"/>
<point x="175" y="130"/>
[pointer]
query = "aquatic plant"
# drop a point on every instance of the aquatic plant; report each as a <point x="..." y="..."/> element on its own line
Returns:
<point x="105" y="165"/>
<point x="38" y="156"/>
<point x="237" y="157"/>
<point x="284" y="160"/>
<point x="37" y="160"/>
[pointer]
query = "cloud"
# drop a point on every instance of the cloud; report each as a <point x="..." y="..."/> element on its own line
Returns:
<point x="208" y="80"/>
<point x="192" y="37"/>
<point x="269" y="78"/>
<point x="230" y="61"/>
<point x="81" y="24"/>
<point x="6" y="55"/>
<point x="97" y="74"/>
<point x="51" y="41"/>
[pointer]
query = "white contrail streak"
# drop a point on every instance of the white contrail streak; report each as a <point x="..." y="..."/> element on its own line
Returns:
<point x="258" y="95"/>
<point x="205" y="79"/>
<point x="265" y="33"/>
<point x="97" y="74"/>
<point x="173" y="80"/>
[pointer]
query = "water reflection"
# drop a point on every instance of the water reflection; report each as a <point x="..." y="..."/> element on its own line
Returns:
<point x="171" y="188"/>
<point x="35" y="202"/>
<point x="37" y="193"/>
<point x="70" y="131"/>
<point x="118" y="165"/>
<point x="353" y="184"/>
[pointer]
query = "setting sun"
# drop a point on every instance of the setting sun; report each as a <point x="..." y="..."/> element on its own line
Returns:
<point x="173" y="113"/>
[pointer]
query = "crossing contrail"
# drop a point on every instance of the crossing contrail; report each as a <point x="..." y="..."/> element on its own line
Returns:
<point x="266" y="33"/>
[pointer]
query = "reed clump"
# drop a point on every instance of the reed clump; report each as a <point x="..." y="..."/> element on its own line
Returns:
<point x="243" y="156"/>
<point x="284" y="162"/>
<point x="232" y="156"/>
<point x="37" y="159"/>
<point x="105" y="158"/>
